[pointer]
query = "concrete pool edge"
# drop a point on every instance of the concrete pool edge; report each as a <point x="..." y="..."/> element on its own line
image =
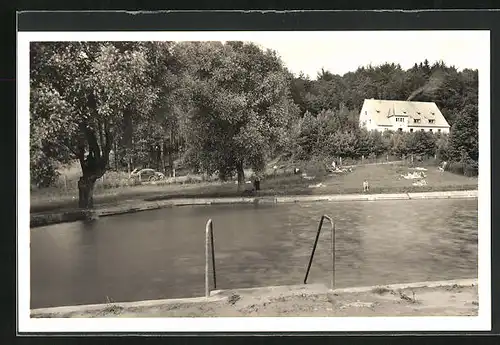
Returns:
<point x="218" y="296"/>
<point x="37" y="220"/>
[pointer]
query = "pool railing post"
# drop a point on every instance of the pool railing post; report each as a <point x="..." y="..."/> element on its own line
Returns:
<point x="212" y="247"/>
<point x="333" y="254"/>
<point x="314" y="248"/>
<point x="207" y="239"/>
<point x="320" y="225"/>
<point x="209" y="242"/>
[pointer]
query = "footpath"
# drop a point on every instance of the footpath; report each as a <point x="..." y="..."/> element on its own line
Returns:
<point x="43" y="219"/>
<point x="441" y="298"/>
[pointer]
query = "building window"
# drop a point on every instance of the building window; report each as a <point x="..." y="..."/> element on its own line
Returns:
<point x="400" y="129"/>
<point x="431" y="121"/>
<point x="411" y="129"/>
<point x="416" y="120"/>
<point x="439" y="130"/>
<point x="366" y="113"/>
<point x="370" y="120"/>
<point x="430" y="130"/>
<point x="422" y="130"/>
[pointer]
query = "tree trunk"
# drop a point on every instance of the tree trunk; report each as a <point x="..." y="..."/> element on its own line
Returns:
<point x="170" y="156"/>
<point x="163" y="168"/>
<point x="241" y="176"/>
<point x="115" y="150"/>
<point x="170" y="163"/>
<point x="86" y="192"/>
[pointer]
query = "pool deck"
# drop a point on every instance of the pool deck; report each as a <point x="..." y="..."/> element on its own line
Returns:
<point x="44" y="219"/>
<point x="451" y="297"/>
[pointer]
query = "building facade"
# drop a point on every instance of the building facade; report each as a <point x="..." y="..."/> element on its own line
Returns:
<point x="403" y="116"/>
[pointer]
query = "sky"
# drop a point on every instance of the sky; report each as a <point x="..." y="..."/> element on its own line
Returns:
<point x="336" y="51"/>
<point x="341" y="52"/>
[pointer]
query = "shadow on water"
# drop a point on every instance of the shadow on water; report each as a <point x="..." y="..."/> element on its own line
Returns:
<point x="160" y="253"/>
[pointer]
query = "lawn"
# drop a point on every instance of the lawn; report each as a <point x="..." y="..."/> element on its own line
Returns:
<point x="382" y="179"/>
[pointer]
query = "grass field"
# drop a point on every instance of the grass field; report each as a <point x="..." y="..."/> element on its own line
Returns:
<point x="382" y="179"/>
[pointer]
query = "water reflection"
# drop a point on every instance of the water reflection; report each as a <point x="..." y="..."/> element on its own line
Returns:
<point x="160" y="254"/>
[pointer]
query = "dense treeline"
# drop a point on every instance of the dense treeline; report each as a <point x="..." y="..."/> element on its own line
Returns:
<point x="330" y="105"/>
<point x="217" y="107"/>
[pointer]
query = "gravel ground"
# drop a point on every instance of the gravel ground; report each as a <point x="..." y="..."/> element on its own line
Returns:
<point x="452" y="300"/>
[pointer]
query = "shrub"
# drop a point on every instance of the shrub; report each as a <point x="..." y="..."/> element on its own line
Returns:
<point x="43" y="175"/>
<point x="467" y="168"/>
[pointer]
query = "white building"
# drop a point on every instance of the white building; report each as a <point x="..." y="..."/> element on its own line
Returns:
<point x="405" y="116"/>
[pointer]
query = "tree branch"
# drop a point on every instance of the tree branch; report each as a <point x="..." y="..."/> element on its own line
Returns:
<point x="108" y="142"/>
<point x="101" y="134"/>
<point x="68" y="146"/>
<point x="92" y="141"/>
<point x="81" y="148"/>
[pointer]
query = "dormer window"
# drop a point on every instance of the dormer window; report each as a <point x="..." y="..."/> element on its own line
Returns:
<point x="378" y="111"/>
<point x="416" y="120"/>
<point x="431" y="120"/>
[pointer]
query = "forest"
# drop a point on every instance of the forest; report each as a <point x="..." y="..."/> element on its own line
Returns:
<point x="218" y="108"/>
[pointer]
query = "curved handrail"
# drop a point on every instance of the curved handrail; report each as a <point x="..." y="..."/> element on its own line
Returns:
<point x="209" y="238"/>
<point x="314" y="249"/>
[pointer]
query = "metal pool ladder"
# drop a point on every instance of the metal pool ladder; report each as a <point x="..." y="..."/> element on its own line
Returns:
<point x="210" y="251"/>
<point x="314" y="248"/>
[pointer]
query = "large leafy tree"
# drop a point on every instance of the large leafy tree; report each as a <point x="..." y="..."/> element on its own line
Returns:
<point x="83" y="96"/>
<point x="158" y="136"/>
<point x="305" y="138"/>
<point x="420" y="143"/>
<point x="241" y="106"/>
<point x="463" y="140"/>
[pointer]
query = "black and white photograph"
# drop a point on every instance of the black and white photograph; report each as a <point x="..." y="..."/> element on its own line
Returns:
<point x="254" y="181"/>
